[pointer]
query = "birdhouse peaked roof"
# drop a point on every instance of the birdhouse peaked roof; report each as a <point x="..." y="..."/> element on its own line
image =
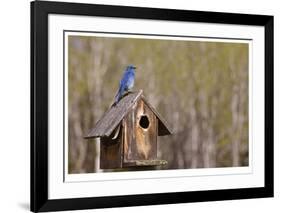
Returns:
<point x="114" y="115"/>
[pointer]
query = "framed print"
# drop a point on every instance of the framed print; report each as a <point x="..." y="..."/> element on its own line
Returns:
<point x="142" y="106"/>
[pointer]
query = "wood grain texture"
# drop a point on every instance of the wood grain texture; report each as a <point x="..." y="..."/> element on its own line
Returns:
<point x="163" y="127"/>
<point x="114" y="115"/>
<point x="140" y="143"/>
<point x="111" y="152"/>
<point x="145" y="163"/>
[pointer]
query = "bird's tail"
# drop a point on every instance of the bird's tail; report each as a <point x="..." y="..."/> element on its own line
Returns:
<point x="117" y="97"/>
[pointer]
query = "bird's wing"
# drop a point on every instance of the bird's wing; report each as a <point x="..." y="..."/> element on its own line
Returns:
<point x="124" y="84"/>
<point x="125" y="78"/>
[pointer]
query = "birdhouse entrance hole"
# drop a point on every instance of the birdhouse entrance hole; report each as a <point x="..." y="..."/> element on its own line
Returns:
<point x="144" y="122"/>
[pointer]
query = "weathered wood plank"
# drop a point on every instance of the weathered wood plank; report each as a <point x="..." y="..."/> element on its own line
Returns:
<point x="111" y="152"/>
<point x="113" y="116"/>
<point x="145" y="163"/>
<point x="140" y="143"/>
<point x="146" y="138"/>
<point x="163" y="127"/>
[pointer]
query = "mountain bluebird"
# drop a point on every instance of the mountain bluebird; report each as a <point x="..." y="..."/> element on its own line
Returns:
<point x="126" y="83"/>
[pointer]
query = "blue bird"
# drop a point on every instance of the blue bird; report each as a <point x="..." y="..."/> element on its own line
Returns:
<point x="126" y="83"/>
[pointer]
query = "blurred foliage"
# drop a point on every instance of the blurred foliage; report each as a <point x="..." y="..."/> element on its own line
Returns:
<point x="199" y="87"/>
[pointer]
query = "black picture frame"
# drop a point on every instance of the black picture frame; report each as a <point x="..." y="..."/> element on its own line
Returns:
<point x="39" y="105"/>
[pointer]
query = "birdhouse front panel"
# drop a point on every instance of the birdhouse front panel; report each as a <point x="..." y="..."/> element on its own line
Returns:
<point x="140" y="133"/>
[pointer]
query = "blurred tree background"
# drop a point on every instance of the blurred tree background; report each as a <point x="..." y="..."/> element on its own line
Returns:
<point x="200" y="88"/>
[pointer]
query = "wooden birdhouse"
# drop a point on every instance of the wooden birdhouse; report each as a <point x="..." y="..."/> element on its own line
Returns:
<point x="128" y="133"/>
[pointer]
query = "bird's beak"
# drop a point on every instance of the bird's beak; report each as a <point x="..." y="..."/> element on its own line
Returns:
<point x="135" y="67"/>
